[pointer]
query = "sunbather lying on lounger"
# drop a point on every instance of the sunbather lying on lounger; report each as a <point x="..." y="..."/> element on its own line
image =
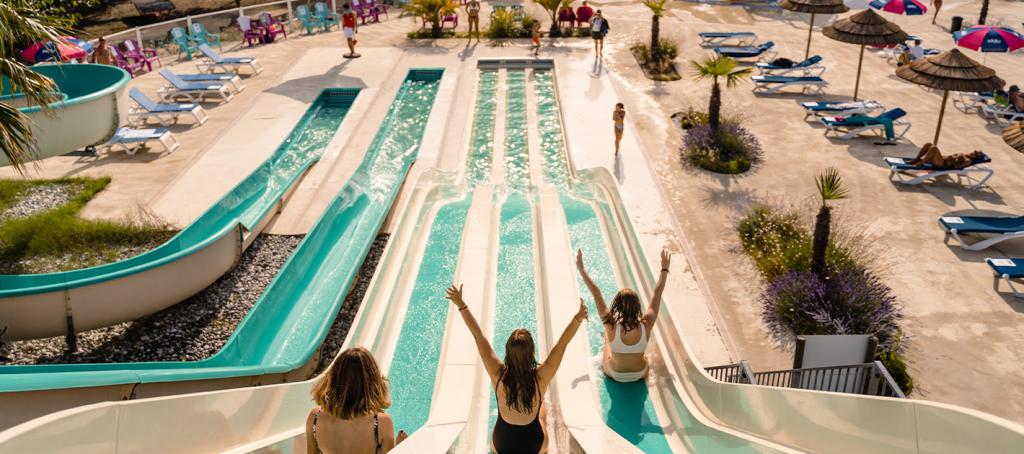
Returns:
<point x="931" y="155"/>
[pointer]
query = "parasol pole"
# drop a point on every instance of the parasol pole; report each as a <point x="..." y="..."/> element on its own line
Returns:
<point x="810" y="33"/>
<point x="942" y="112"/>
<point x="860" y="63"/>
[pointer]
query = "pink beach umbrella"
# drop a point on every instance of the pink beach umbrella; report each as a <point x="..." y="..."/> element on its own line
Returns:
<point x="984" y="38"/>
<point x="907" y="7"/>
<point x="54" y="51"/>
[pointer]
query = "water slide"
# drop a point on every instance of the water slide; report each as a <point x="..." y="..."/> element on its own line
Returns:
<point x="45" y="305"/>
<point x="278" y="338"/>
<point x="92" y="104"/>
<point x="508" y="231"/>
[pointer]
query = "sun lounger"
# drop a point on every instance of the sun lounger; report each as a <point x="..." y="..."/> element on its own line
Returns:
<point x="225" y="78"/>
<point x="1003" y="227"/>
<point x="760" y="51"/>
<point x="1008" y="269"/>
<point x="226" y="64"/>
<point x="976" y="174"/>
<point x="833" y="108"/>
<point x="772" y="84"/>
<point x="850" y="127"/>
<point x="970" y="102"/>
<point x="716" y="39"/>
<point x="194" y="91"/>
<point x="809" y="67"/>
<point x="165" y="113"/>
<point x="130" y="140"/>
<point x="1003" y="115"/>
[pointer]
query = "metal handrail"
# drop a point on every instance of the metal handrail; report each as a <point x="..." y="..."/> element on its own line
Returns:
<point x="868" y="378"/>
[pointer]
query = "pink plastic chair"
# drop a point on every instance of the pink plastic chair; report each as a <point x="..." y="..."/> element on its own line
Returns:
<point x="364" y="11"/>
<point x="377" y="8"/>
<point x="130" y="65"/>
<point x="566" y="16"/>
<point x="252" y="32"/>
<point x="583" y="16"/>
<point x="135" y="51"/>
<point x="272" y="26"/>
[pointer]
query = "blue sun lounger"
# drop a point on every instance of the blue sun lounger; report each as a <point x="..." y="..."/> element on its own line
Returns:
<point x="1008" y="269"/>
<point x="165" y="113"/>
<point x="194" y="91"/>
<point x="1003" y="227"/>
<point x="883" y="125"/>
<point x="906" y="173"/>
<point x="759" y="51"/>
<point x="833" y="108"/>
<point x="130" y="140"/>
<point x="715" y="39"/>
<point x="226" y="64"/>
<point x="229" y="78"/>
<point x="773" y="84"/>
<point x="809" y="67"/>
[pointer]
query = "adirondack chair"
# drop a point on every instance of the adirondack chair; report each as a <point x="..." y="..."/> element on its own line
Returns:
<point x="308" y="20"/>
<point x="130" y="65"/>
<point x="272" y="26"/>
<point x="364" y="11"/>
<point x="379" y="8"/>
<point x="201" y="36"/>
<point x="326" y="16"/>
<point x="136" y="51"/>
<point x="252" y="33"/>
<point x="185" y="44"/>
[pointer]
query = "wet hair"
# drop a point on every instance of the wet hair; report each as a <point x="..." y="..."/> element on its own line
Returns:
<point x="619" y="104"/>
<point x="353" y="386"/>
<point x="625" y="310"/>
<point x="1014" y="88"/>
<point x="917" y="42"/>
<point x="519" y="372"/>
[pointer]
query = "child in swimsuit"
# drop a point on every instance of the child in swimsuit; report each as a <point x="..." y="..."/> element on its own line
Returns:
<point x="619" y="119"/>
<point x="535" y="38"/>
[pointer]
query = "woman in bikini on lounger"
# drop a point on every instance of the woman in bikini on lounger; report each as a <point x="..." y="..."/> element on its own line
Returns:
<point x="626" y="328"/>
<point x="930" y="155"/>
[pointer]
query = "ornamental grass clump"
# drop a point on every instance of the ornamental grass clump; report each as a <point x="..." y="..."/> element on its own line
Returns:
<point x="730" y="150"/>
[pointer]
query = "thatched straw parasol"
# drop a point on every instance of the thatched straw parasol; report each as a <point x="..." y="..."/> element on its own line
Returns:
<point x="865" y="28"/>
<point x="951" y="70"/>
<point x="814" y="7"/>
<point x="1014" y="136"/>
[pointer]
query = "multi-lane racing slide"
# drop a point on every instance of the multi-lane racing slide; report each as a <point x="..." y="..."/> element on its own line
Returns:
<point x="507" y="225"/>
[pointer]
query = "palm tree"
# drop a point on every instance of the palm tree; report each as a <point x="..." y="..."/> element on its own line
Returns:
<point x="713" y="68"/>
<point x="432" y="10"/>
<point x="657" y="8"/>
<point x="830" y="187"/>
<point x="552" y="7"/>
<point x="984" y="12"/>
<point x="23" y="23"/>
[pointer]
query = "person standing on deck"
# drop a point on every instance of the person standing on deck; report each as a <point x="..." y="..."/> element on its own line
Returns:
<point x="101" y="54"/>
<point x="598" y="30"/>
<point x="619" y="120"/>
<point x="473" y="15"/>
<point x="349" y="28"/>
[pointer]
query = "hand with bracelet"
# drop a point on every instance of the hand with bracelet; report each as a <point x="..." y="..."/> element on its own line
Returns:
<point x="666" y="260"/>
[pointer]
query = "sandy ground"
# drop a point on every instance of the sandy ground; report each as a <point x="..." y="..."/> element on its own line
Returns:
<point x="960" y="330"/>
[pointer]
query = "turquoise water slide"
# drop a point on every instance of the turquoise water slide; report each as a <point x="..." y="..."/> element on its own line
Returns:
<point x="39" y="305"/>
<point x="288" y="323"/>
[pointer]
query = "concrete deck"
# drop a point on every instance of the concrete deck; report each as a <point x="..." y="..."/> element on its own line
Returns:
<point x="959" y="329"/>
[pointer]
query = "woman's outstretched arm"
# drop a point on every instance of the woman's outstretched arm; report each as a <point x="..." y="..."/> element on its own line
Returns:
<point x="547" y="370"/>
<point x="652" y="310"/>
<point x="483" y="346"/>
<point x="602" y="309"/>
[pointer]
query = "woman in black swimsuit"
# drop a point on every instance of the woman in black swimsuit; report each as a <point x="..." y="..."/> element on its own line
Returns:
<point x="349" y="417"/>
<point x="519" y="382"/>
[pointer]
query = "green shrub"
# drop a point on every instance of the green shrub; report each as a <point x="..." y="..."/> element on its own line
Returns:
<point x="690" y="117"/>
<point x="505" y="24"/>
<point x="730" y="150"/>
<point x="778" y="242"/>
<point x="897" y="368"/>
<point x="664" y="69"/>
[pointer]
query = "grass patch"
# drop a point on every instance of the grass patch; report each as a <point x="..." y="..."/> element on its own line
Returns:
<point x="59" y="240"/>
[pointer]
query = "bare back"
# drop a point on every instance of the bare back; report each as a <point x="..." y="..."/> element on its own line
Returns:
<point x="352" y="436"/>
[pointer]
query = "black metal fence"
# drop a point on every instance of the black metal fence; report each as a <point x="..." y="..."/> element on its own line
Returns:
<point x="868" y="378"/>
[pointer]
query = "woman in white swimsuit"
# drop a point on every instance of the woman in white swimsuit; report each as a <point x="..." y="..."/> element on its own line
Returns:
<point x="626" y="330"/>
<point x="619" y="119"/>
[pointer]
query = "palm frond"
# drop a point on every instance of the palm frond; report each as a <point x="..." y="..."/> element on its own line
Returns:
<point x="830" y="185"/>
<point x="16" y="141"/>
<point x="657" y="7"/>
<point x="714" y="67"/>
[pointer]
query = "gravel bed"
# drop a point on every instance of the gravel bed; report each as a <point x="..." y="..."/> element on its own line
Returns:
<point x="343" y="321"/>
<point x="190" y="331"/>
<point x="71" y="261"/>
<point x="40" y="198"/>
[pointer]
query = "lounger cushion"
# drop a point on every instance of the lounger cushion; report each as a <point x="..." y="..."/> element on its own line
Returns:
<point x="128" y="135"/>
<point x="787" y="79"/>
<point x="983" y="224"/>
<point x="1013" y="268"/>
<point x="724" y="34"/>
<point x="826" y="106"/>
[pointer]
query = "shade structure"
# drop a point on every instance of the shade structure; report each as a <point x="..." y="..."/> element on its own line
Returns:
<point x="951" y="70"/>
<point x="1014" y="136"/>
<point x="905" y="7"/>
<point x="813" y="7"/>
<point x="984" y="38"/>
<point x="865" y="28"/>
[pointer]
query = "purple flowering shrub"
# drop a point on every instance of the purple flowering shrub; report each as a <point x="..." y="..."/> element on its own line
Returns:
<point x="733" y="150"/>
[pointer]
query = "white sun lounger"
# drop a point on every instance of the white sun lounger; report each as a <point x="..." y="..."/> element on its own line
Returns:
<point x="130" y="140"/>
<point x="833" y="108"/>
<point x="225" y="78"/>
<point x="165" y="113"/>
<point x="1003" y="115"/>
<point x="773" y="84"/>
<point x="1007" y="269"/>
<point x="976" y="174"/>
<point x="846" y="129"/>
<point x="809" y="67"/>
<point x="715" y="39"/>
<point x="194" y="91"/>
<point x="226" y="64"/>
<point x="1003" y="227"/>
<point x="970" y="102"/>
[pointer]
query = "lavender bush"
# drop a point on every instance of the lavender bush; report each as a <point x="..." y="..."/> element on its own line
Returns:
<point x="732" y="150"/>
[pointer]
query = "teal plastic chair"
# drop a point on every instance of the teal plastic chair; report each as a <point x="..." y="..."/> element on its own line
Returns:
<point x="185" y="44"/>
<point x="201" y="36"/>
<point x="326" y="16"/>
<point x="309" y="21"/>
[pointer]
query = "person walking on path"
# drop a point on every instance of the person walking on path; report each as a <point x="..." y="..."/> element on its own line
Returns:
<point x="101" y="54"/>
<point x="598" y="29"/>
<point x="349" y="28"/>
<point x="473" y="16"/>
<point x="619" y="119"/>
<point x="535" y="38"/>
